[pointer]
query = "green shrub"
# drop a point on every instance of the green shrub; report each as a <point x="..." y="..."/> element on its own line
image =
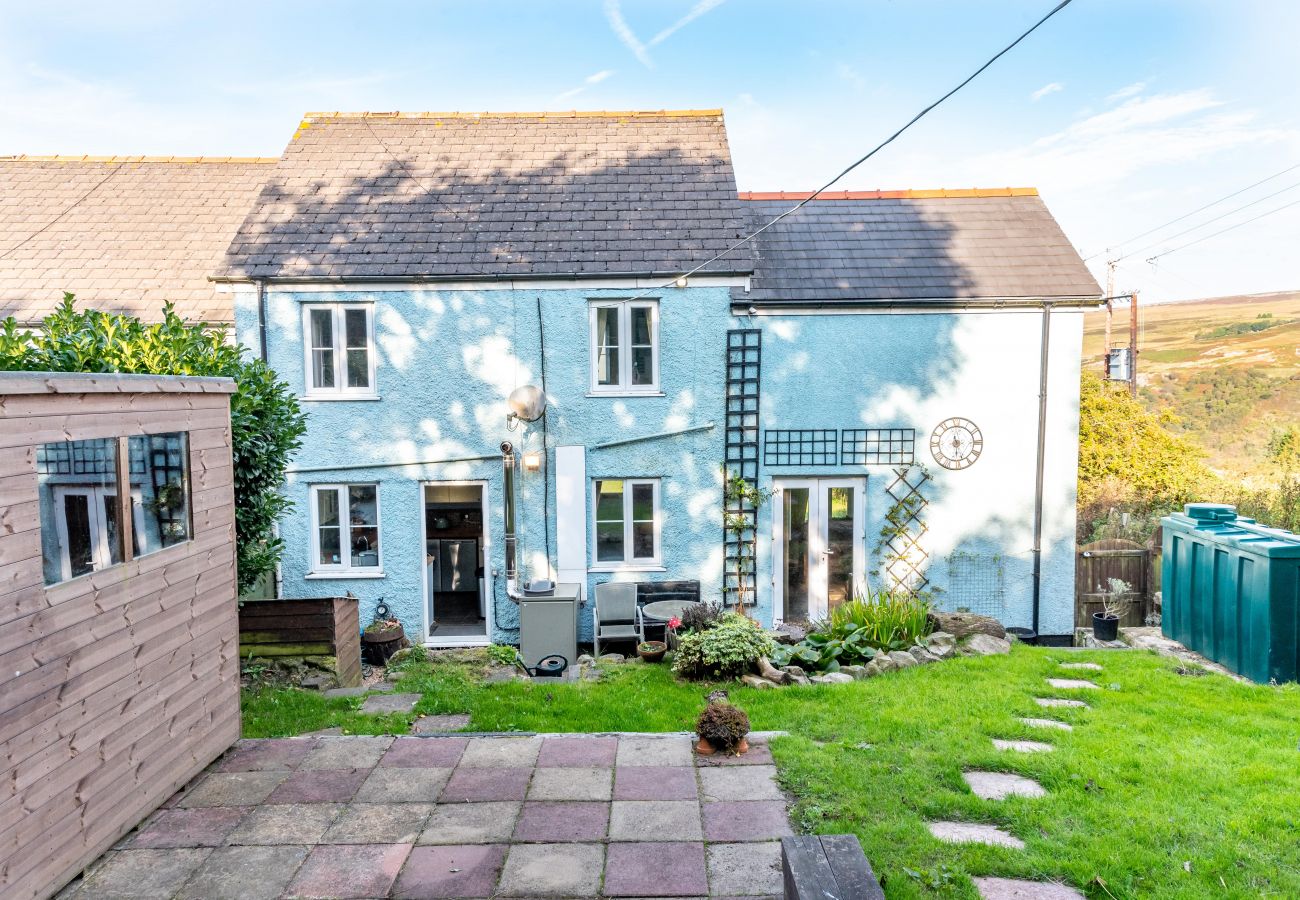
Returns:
<point x="502" y="654"/>
<point x="266" y="423"/>
<point x="722" y="725"/>
<point x="701" y="617"/>
<point x="856" y="631"/>
<point x="729" y="649"/>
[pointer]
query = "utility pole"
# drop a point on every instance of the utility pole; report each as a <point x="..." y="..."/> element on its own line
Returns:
<point x="1110" y="292"/>
<point x="1133" y="345"/>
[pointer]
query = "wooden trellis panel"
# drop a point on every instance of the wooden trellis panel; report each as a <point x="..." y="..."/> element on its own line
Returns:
<point x="744" y="368"/>
<point x="904" y="553"/>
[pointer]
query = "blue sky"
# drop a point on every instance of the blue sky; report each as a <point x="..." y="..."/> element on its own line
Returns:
<point x="1124" y="113"/>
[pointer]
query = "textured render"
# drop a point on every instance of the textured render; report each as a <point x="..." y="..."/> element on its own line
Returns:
<point x="145" y="231"/>
<point x="914" y="371"/>
<point x="447" y="360"/>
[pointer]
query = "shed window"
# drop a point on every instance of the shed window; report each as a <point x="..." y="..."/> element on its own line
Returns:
<point x="340" y="359"/>
<point x="625" y="346"/>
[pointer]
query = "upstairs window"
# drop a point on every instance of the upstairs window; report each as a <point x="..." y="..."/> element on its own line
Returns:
<point x="339" y="339"/>
<point x="627" y="523"/>
<point x="625" y="347"/>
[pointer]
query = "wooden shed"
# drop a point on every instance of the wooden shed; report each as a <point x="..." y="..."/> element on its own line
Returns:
<point x="119" y="672"/>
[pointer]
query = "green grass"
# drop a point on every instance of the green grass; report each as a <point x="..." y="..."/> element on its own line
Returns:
<point x="1171" y="786"/>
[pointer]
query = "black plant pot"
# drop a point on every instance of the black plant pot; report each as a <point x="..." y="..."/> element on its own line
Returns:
<point x="1105" y="628"/>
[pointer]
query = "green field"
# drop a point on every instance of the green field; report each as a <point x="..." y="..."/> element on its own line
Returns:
<point x="1227" y="368"/>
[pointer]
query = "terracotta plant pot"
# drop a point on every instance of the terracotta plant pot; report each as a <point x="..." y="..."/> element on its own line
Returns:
<point x="704" y="748"/>
<point x="743" y="747"/>
<point x="652" y="651"/>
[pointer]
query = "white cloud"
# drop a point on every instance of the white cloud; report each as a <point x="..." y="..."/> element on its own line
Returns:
<point x="593" y="78"/>
<point x="1046" y="89"/>
<point x="624" y="32"/>
<point x="696" y="11"/>
<point x="1127" y="91"/>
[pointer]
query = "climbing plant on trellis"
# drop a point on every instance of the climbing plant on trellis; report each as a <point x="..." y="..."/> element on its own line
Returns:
<point x="902" y="556"/>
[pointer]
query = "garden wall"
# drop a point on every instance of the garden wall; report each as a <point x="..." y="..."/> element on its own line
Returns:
<point x="118" y="655"/>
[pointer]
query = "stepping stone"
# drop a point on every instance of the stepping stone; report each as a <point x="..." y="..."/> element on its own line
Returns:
<point x="970" y="833"/>
<point x="344" y="692"/>
<point x="1014" y="889"/>
<point x="1091" y="667"/>
<point x="438" y="724"/>
<point x="1049" y="702"/>
<point x="384" y="704"/>
<point x="382" y="687"/>
<point x="1068" y="684"/>
<point x="1023" y="746"/>
<point x="1047" y="723"/>
<point x="1000" y="785"/>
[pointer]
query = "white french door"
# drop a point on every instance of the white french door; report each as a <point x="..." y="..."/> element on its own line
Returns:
<point x="819" y="560"/>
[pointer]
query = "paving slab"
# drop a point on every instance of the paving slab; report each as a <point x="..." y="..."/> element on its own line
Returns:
<point x="1082" y="666"/>
<point x="269" y="754"/>
<point x="655" y="869"/>
<point x="1014" y="889"/>
<point x="289" y="823"/>
<point x="470" y="823"/>
<point x="465" y="870"/>
<point x="1072" y="684"/>
<point x="655" y="750"/>
<point x="440" y="723"/>
<point x="552" y="870"/>
<point x="332" y="693"/>
<point x="392" y="785"/>
<point x="1047" y="723"/>
<point x="347" y="752"/>
<point x="319" y="786"/>
<point x="562" y="822"/>
<point x="244" y="873"/>
<point x="759" y="754"/>
<point x="493" y="752"/>
<point x="655" y="820"/>
<point x="973" y="833"/>
<point x="740" y="783"/>
<point x="424" y="753"/>
<point x="378" y="823"/>
<point x="578" y="751"/>
<point x="1054" y="702"/>
<point x="1023" y="746"/>
<point x="232" y="789"/>
<point x="655" y="783"/>
<point x="142" y="874"/>
<point x="746" y="820"/>
<point x="475" y="785"/>
<point x="571" y="784"/>
<point x="204" y="826"/>
<point x="348" y="871"/>
<point x="1000" y="785"/>
<point x="387" y="704"/>
<point x="746" y="868"/>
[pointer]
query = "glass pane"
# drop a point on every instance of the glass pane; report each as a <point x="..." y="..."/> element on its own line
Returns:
<point x="354" y="328"/>
<point x="640" y="325"/>
<point x="329" y="546"/>
<point x="109" y="512"/>
<point x="795" y="552"/>
<point x="322" y="328"/>
<point x="327" y="506"/>
<point x="643" y="502"/>
<point x="607" y="360"/>
<point x="322" y="368"/>
<point x="643" y="367"/>
<point x="358" y="368"/>
<point x="160" y="490"/>
<point x="609" y="501"/>
<point x="839" y="545"/>
<point x="607" y="365"/>
<point x="363" y="517"/>
<point x="643" y="540"/>
<point x="609" y="542"/>
<point x="74" y="480"/>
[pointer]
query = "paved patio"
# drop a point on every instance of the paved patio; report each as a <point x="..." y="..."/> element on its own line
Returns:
<point x="459" y="816"/>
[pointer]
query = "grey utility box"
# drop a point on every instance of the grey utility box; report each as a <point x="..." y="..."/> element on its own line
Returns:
<point x="548" y="626"/>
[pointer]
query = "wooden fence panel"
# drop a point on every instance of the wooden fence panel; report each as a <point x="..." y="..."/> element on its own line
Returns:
<point x="117" y="687"/>
<point x="1097" y="564"/>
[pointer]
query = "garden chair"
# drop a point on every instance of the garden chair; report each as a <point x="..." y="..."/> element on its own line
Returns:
<point x="617" y="616"/>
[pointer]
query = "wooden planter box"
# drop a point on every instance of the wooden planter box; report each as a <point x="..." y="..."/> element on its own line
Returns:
<point x="324" y="627"/>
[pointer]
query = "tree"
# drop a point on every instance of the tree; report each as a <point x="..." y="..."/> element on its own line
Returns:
<point x="266" y="422"/>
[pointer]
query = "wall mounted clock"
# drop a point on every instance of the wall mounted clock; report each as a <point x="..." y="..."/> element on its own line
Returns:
<point x="956" y="443"/>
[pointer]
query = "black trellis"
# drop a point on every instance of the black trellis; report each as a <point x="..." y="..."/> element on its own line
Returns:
<point x="800" y="447"/>
<point x="878" y="446"/>
<point x="744" y="367"/>
<point x="904" y="556"/>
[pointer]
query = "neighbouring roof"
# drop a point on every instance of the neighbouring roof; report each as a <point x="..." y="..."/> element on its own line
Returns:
<point x="123" y="233"/>
<point x="908" y="246"/>
<point x="388" y="195"/>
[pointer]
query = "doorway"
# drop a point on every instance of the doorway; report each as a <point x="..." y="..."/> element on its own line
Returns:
<point x="819" y="559"/>
<point x="455" y="554"/>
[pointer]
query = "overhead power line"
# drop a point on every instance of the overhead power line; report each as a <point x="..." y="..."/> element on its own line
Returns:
<point x="1197" y="210"/>
<point x="882" y="145"/>
<point x="69" y="208"/>
<point x="1262" y="215"/>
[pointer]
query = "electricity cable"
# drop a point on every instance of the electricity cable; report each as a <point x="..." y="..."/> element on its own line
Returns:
<point x="1262" y="215"/>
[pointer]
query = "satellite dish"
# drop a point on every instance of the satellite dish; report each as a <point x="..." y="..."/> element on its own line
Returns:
<point x="527" y="403"/>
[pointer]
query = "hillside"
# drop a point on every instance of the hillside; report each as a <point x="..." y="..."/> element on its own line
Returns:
<point x="1227" y="368"/>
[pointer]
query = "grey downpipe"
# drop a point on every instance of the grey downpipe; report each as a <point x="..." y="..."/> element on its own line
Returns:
<point x="1042" y="453"/>
<point x="261" y="317"/>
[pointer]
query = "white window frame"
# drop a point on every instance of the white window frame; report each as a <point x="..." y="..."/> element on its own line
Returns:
<point x="629" y="562"/>
<point x="317" y="569"/>
<point x="624" y="387"/>
<point x="340" y="391"/>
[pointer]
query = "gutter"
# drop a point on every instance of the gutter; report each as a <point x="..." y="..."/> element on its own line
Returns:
<point x="488" y="276"/>
<point x="1039" y="462"/>
<point x="936" y="304"/>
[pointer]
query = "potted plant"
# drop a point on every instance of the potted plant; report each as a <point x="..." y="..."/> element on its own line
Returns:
<point x="722" y="729"/>
<point x="382" y="638"/>
<point x="1105" y="624"/>
<point x="652" y="651"/>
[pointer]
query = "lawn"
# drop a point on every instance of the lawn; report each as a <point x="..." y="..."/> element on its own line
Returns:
<point x="1169" y="786"/>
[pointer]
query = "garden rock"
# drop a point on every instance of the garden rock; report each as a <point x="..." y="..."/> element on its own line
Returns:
<point x="586" y="659"/>
<point x="612" y="657"/>
<point x="884" y="663"/>
<point x="407" y="653"/>
<point x="981" y="644"/>
<point x="316" y="682"/>
<point x="960" y="624"/>
<point x="857" y="673"/>
<point x="788" y="634"/>
<point x="902" y="659"/>
<point x="794" y="671"/>
<point x="941" y="644"/>
<point x="922" y="655"/>
<point x="872" y="669"/>
<point x="832" y="678"/>
<point x="754" y="681"/>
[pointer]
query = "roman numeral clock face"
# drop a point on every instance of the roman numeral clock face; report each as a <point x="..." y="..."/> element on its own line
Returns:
<point x="956" y="443"/>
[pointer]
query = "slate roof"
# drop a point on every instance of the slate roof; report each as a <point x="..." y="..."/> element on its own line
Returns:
<point x="387" y="195"/>
<point x="124" y="233"/>
<point x="883" y="246"/>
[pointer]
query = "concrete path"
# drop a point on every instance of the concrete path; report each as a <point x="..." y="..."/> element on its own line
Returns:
<point x="459" y="816"/>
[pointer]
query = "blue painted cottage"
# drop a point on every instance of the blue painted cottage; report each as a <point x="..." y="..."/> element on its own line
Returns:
<point x="899" y="371"/>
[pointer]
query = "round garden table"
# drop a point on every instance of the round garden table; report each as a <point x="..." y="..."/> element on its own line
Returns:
<point x="659" y="612"/>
